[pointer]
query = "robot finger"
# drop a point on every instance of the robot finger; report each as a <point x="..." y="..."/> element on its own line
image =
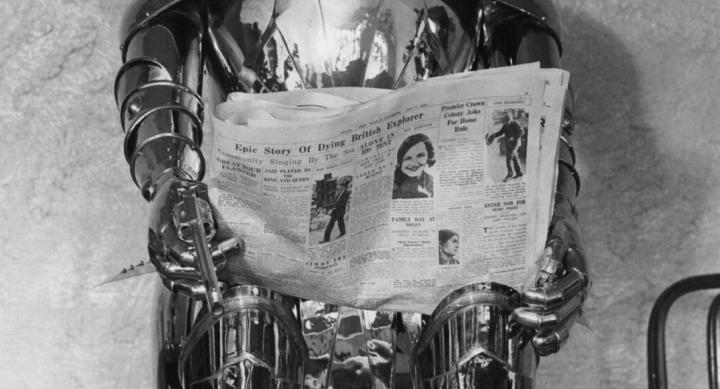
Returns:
<point x="173" y="271"/>
<point x="221" y="252"/>
<point x="575" y="259"/>
<point x="572" y="284"/>
<point x="549" y="342"/>
<point x="545" y="320"/>
<point x="193" y="289"/>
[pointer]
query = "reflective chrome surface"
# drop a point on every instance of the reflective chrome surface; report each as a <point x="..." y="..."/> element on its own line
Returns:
<point x="267" y="340"/>
<point x="136" y="73"/>
<point x="256" y="343"/>
<point x="174" y="39"/>
<point x="263" y="339"/>
<point x="296" y="44"/>
<point x="162" y="153"/>
<point x="157" y="91"/>
<point x="468" y="342"/>
<point x="143" y="116"/>
<point x="348" y="347"/>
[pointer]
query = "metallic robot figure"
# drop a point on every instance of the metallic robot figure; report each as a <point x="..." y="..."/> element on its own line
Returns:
<point x="183" y="56"/>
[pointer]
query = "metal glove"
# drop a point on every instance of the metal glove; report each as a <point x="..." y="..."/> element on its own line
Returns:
<point x="562" y="282"/>
<point x="181" y="240"/>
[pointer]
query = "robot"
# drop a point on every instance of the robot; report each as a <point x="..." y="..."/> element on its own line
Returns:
<point x="180" y="57"/>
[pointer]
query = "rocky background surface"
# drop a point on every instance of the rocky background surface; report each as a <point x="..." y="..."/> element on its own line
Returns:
<point x="646" y="80"/>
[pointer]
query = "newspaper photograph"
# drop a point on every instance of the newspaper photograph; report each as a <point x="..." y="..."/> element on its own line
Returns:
<point x="390" y="199"/>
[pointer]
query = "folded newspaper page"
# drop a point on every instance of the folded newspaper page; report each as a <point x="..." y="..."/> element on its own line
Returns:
<point x="390" y="199"/>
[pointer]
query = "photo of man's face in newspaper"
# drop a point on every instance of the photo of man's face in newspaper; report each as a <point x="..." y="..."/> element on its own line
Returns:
<point x="412" y="179"/>
<point x="507" y="145"/>
<point x="329" y="207"/>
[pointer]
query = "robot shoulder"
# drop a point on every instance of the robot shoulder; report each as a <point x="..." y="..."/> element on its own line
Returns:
<point x="543" y="12"/>
<point x="142" y="12"/>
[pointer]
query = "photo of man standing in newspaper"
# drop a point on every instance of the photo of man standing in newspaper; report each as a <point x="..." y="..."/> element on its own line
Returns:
<point x="415" y="156"/>
<point x="448" y="245"/>
<point x="329" y="206"/>
<point x="511" y="139"/>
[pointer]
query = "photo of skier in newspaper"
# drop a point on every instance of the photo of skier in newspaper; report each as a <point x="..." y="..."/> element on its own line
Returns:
<point x="412" y="180"/>
<point x="329" y="207"/>
<point x="511" y="138"/>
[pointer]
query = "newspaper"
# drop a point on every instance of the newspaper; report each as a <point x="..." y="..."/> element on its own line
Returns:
<point x="390" y="199"/>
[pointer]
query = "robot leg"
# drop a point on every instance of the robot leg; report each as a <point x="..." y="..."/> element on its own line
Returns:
<point x="256" y="343"/>
<point x="469" y="343"/>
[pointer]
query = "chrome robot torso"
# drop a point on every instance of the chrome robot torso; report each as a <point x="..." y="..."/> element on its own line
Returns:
<point x="181" y="57"/>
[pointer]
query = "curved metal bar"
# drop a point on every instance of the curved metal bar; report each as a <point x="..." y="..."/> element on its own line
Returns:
<point x="657" y="368"/>
<point x="713" y="333"/>
<point x="468" y="342"/>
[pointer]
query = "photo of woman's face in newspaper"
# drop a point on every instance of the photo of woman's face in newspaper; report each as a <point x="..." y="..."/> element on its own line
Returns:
<point x="507" y="145"/>
<point x="412" y="180"/>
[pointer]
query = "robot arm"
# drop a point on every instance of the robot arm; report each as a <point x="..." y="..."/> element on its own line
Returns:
<point x="165" y="44"/>
<point x="524" y="31"/>
<point x="157" y="92"/>
<point x="563" y="280"/>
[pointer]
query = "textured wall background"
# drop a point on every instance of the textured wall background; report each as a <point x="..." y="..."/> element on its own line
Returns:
<point x="646" y="80"/>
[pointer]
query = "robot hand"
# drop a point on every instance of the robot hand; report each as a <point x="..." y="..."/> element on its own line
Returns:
<point x="181" y="240"/>
<point x="562" y="284"/>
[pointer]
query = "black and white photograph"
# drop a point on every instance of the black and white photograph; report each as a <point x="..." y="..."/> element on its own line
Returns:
<point x="507" y="145"/>
<point x="413" y="177"/>
<point x="114" y="274"/>
<point x="329" y="208"/>
<point x="448" y="247"/>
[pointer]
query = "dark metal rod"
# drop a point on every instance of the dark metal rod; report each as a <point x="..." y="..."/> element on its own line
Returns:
<point x="657" y="369"/>
<point x="713" y="333"/>
<point x="205" y="265"/>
